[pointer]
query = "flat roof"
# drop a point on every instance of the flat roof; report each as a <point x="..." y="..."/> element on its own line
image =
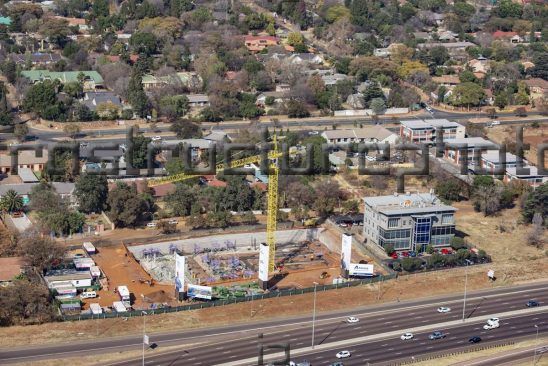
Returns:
<point x="472" y="142"/>
<point x="533" y="172"/>
<point x="415" y="203"/>
<point x="428" y="124"/>
<point x="494" y="157"/>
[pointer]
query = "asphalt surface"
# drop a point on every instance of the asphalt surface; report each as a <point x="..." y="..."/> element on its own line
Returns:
<point x="329" y="326"/>
<point x="338" y="330"/>
<point x="305" y="124"/>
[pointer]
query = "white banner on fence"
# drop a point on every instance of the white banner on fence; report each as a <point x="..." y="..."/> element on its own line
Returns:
<point x="358" y="269"/>
<point x="346" y="251"/>
<point x="264" y="254"/>
<point x="179" y="272"/>
<point x="201" y="292"/>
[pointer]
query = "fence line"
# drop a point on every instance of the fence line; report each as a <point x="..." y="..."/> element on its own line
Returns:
<point x="224" y="302"/>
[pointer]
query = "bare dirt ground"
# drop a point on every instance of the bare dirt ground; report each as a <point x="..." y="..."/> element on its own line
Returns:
<point x="532" y="136"/>
<point x="122" y="270"/>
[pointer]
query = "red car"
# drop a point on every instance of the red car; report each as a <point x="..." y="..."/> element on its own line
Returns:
<point x="405" y="254"/>
<point x="445" y="251"/>
<point x="394" y="255"/>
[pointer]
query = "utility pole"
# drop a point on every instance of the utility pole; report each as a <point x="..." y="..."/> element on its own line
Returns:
<point x="144" y="313"/>
<point x="314" y="314"/>
<point x="465" y="285"/>
<point x="536" y="344"/>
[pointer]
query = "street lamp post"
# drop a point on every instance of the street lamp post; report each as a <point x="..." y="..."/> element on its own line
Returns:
<point x="536" y="344"/>
<point x="465" y="285"/>
<point x="314" y="314"/>
<point x="144" y="313"/>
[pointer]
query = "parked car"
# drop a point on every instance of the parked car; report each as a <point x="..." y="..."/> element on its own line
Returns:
<point x="173" y="222"/>
<point x="493" y="321"/>
<point x="336" y="364"/>
<point x="428" y="108"/>
<point x="491" y="326"/>
<point x="494" y="123"/>
<point x="156" y="138"/>
<point x="405" y="254"/>
<point x="412" y="253"/>
<point x="406" y="336"/>
<point x="152" y="225"/>
<point x="532" y="304"/>
<point x="343" y="354"/>
<point x="475" y="339"/>
<point x="313" y="133"/>
<point x="352" y="319"/>
<point x="436" y="335"/>
<point x="444" y="309"/>
<point x="88" y="295"/>
<point x="394" y="255"/>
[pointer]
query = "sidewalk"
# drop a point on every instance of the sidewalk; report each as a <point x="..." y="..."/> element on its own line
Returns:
<point x="499" y="358"/>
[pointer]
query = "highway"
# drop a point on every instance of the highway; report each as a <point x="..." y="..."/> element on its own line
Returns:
<point x="241" y="339"/>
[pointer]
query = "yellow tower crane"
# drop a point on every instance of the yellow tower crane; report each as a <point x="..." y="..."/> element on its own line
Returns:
<point x="272" y="202"/>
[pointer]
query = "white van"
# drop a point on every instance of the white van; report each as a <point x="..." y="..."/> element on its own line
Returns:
<point x="494" y="123"/>
<point x="151" y="225"/>
<point x="88" y="295"/>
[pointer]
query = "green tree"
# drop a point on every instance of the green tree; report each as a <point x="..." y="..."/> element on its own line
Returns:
<point x="377" y="105"/>
<point x="174" y="106"/>
<point x="177" y="7"/>
<point x="21" y="131"/>
<point x="297" y="109"/>
<point x="136" y="95"/>
<point x="337" y="12"/>
<point x="140" y="152"/>
<point x="186" y="129"/>
<point x="44" y="198"/>
<point x="295" y="38"/>
<point x="439" y="55"/>
<point x="457" y="243"/>
<point x="196" y="219"/>
<point x="249" y="218"/>
<point x="127" y="207"/>
<point x="144" y="42"/>
<point x="467" y="94"/>
<point x="448" y="190"/>
<point x="40" y="96"/>
<point x="180" y="202"/>
<point x="501" y="100"/>
<point x="537" y="202"/>
<point x="100" y="8"/>
<point x="11" y="201"/>
<point x="74" y="88"/>
<point x="372" y="91"/>
<point x="10" y="71"/>
<point x="91" y="190"/>
<point x="389" y="249"/>
<point x="72" y="130"/>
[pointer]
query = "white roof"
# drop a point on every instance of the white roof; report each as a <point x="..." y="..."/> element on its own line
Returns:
<point x="472" y="142"/>
<point x="95" y="308"/>
<point x="533" y="172"/>
<point x="429" y="124"/>
<point x="123" y="290"/>
<point x="119" y="306"/>
<point x="415" y="203"/>
<point x="494" y="157"/>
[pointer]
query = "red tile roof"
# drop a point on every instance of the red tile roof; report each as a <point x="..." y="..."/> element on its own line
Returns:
<point x="501" y="34"/>
<point x="537" y="83"/>
<point x="260" y="185"/>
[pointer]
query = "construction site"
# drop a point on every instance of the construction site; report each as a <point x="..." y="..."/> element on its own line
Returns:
<point x="303" y="256"/>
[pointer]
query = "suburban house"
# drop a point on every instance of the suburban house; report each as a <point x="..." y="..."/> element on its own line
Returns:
<point x="537" y="86"/>
<point x="188" y="79"/>
<point x="332" y="79"/>
<point x="94" y="99"/>
<point x="278" y="97"/>
<point x="217" y="136"/>
<point x="283" y="87"/>
<point x="197" y="146"/>
<point x="456" y="49"/>
<point x="36" y="58"/>
<point x="76" y="22"/>
<point x="511" y="37"/>
<point x="90" y="79"/>
<point x="10" y="268"/>
<point x="306" y="58"/>
<point x="408" y="221"/>
<point x="25" y="159"/>
<point x="65" y="190"/>
<point x="258" y="43"/>
<point x="197" y="100"/>
<point x="479" y="64"/>
<point x="424" y="131"/>
<point x="475" y="146"/>
<point x="375" y="133"/>
<point x="446" y="80"/>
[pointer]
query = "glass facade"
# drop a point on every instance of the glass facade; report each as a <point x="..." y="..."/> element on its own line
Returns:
<point x="421" y="232"/>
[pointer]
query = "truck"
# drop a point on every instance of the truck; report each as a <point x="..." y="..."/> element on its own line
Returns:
<point x="124" y="294"/>
<point x="89" y="247"/>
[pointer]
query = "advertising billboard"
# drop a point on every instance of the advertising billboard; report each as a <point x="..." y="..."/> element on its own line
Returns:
<point x="200" y="292"/>
<point x="264" y="254"/>
<point x="346" y="250"/>
<point x="179" y="272"/>
<point x="358" y="269"/>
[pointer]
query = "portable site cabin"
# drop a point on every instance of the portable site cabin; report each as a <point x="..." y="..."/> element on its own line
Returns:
<point x="70" y="307"/>
<point x="83" y="263"/>
<point x="119" y="307"/>
<point x="89" y="247"/>
<point x="124" y="294"/>
<point x="95" y="272"/>
<point x="64" y="289"/>
<point x="95" y="309"/>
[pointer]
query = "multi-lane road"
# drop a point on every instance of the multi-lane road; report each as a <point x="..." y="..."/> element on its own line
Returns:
<point x="382" y="323"/>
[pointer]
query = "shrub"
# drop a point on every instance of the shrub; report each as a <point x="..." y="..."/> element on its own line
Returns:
<point x="429" y="249"/>
<point x="457" y="243"/>
<point x="389" y="249"/>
